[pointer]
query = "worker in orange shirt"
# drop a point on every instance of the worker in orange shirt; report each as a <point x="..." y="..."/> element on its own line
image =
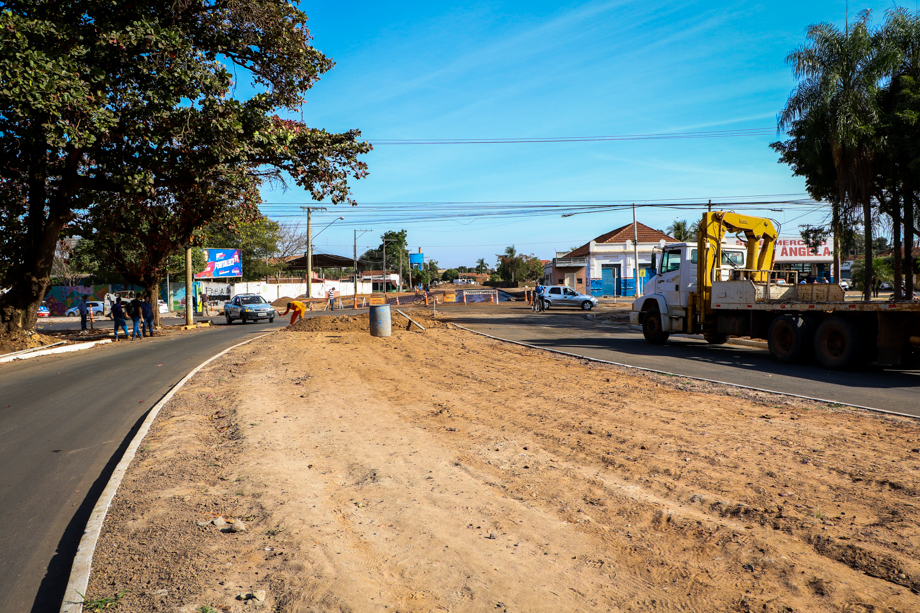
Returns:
<point x="299" y="308"/>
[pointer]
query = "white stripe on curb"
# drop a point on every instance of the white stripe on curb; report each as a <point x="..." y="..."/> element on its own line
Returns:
<point x="83" y="561"/>
<point x="673" y="374"/>
<point x="66" y="349"/>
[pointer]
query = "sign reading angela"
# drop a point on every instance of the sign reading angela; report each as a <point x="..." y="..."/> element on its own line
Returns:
<point x="795" y="250"/>
<point x="221" y="263"/>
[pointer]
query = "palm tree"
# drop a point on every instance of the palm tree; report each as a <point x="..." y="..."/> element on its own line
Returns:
<point x="680" y="231"/>
<point x="481" y="265"/>
<point x="839" y="75"/>
<point x="901" y="36"/>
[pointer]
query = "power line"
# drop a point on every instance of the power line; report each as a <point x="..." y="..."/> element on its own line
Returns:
<point x="580" y="139"/>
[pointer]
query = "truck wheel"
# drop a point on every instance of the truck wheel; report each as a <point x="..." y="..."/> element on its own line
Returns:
<point x="229" y="320"/>
<point x="836" y="343"/>
<point x="716" y="339"/>
<point x="652" y="328"/>
<point x="788" y="339"/>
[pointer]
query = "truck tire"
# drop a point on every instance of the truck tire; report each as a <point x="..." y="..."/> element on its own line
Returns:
<point x="716" y="338"/>
<point x="836" y="344"/>
<point x="652" y="328"/>
<point x="788" y="338"/>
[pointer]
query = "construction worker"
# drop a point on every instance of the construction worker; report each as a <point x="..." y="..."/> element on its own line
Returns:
<point x="299" y="308"/>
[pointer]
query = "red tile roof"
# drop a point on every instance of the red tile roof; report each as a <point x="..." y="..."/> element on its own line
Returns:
<point x="621" y="235"/>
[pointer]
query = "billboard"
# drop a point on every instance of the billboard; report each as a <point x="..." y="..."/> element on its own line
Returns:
<point x="222" y="263"/>
<point x="793" y="250"/>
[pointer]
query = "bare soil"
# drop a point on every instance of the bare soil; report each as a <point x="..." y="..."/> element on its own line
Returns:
<point x="10" y="343"/>
<point x="443" y="471"/>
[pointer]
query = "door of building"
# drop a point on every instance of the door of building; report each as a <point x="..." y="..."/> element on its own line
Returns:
<point x="610" y="279"/>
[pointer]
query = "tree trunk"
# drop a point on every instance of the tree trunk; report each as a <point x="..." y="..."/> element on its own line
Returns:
<point x="19" y="306"/>
<point x="867" y="235"/>
<point x="909" y="240"/>
<point x="896" y="233"/>
<point x="835" y="229"/>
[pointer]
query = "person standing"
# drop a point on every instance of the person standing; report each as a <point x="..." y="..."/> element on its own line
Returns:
<point x="147" y="313"/>
<point x="82" y="307"/>
<point x="205" y="305"/>
<point x="118" y="314"/>
<point x="137" y="317"/>
<point x="331" y="299"/>
<point x="299" y="308"/>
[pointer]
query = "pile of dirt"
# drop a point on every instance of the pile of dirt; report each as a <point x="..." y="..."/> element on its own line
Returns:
<point x="361" y="323"/>
<point x="28" y="340"/>
<point x="282" y="302"/>
<point x="328" y="323"/>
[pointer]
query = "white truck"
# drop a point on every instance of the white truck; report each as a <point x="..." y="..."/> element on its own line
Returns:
<point x="743" y="296"/>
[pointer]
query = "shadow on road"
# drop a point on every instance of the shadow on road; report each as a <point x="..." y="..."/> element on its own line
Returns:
<point x="51" y="591"/>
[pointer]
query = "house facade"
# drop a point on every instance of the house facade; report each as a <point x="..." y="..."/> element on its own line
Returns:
<point x="605" y="265"/>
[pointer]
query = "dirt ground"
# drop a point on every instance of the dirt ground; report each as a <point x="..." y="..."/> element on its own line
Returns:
<point x="10" y="343"/>
<point x="443" y="471"/>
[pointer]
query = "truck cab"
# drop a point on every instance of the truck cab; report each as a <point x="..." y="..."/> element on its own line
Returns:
<point x="668" y="293"/>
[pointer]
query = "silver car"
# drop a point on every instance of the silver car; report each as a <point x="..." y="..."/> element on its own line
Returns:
<point x="564" y="296"/>
<point x="249" y="307"/>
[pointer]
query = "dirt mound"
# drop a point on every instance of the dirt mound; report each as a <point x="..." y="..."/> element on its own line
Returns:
<point x="329" y="323"/>
<point x="18" y="342"/>
<point x="361" y="323"/>
<point x="282" y="302"/>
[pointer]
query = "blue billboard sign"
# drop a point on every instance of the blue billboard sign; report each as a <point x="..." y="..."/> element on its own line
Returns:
<point x="222" y="263"/>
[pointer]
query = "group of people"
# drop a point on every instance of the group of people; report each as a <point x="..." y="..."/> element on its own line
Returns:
<point x="140" y="312"/>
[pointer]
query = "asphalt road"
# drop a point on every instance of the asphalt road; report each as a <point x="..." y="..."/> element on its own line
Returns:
<point x="878" y="388"/>
<point x="64" y="423"/>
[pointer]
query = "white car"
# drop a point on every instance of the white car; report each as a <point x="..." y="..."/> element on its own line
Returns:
<point x="162" y="307"/>
<point x="91" y="305"/>
<point x="563" y="296"/>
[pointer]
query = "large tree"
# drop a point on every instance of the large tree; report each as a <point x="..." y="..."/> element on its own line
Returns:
<point x="102" y="100"/>
<point x="839" y="74"/>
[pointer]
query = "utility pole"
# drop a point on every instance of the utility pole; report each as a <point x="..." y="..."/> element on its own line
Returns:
<point x="635" y="252"/>
<point x="189" y="288"/>
<point x="309" y="210"/>
<point x="356" y="261"/>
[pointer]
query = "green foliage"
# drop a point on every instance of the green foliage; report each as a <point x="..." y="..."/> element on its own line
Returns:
<point x="101" y="604"/>
<point x="481" y="266"/>
<point x="257" y="239"/>
<point x="450" y="275"/>
<point x="513" y="266"/>
<point x="117" y="104"/>
<point x="683" y="232"/>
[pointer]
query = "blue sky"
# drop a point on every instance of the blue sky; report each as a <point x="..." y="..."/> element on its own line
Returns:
<point x="513" y="69"/>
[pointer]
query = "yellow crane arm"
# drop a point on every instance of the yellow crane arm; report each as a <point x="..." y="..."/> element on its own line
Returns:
<point x="713" y="228"/>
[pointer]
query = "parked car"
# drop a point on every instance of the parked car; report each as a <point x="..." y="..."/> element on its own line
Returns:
<point x="97" y="308"/>
<point x="886" y="286"/>
<point x="162" y="306"/>
<point x="43" y="310"/>
<point x="248" y="307"/>
<point x="844" y="284"/>
<point x="562" y="296"/>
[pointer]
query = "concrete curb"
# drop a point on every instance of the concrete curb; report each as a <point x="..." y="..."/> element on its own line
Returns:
<point x="692" y="378"/>
<point x="83" y="561"/>
<point x="67" y="349"/>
